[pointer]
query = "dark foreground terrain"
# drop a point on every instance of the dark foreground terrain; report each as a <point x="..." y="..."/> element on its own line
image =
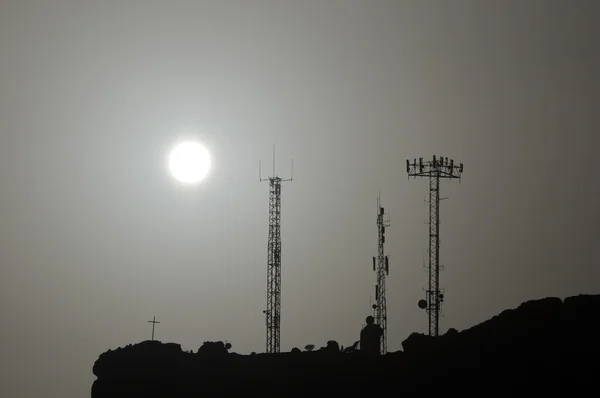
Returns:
<point x="547" y="346"/>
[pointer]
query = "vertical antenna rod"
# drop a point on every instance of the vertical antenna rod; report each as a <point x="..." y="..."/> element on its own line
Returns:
<point x="153" y="322"/>
<point x="273" y="311"/>
<point x="435" y="169"/>
<point x="381" y="266"/>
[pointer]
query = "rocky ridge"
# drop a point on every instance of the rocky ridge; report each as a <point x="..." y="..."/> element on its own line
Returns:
<point x="547" y="346"/>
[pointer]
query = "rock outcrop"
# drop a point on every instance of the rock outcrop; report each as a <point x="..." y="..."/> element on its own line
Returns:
<point x="546" y="346"/>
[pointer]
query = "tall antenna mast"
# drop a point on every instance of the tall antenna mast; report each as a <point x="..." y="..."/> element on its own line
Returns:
<point x="381" y="267"/>
<point x="435" y="169"/>
<point x="273" y="311"/>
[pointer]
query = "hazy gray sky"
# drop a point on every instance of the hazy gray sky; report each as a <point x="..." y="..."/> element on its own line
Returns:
<point x="96" y="237"/>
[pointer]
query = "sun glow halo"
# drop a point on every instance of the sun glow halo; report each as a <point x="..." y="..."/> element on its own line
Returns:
<point x="189" y="162"/>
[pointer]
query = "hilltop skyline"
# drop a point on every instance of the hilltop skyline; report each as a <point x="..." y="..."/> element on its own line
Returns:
<point x="97" y="237"/>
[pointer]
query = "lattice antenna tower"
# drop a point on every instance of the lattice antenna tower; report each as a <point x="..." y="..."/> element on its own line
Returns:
<point x="381" y="267"/>
<point x="435" y="169"/>
<point x="273" y="311"/>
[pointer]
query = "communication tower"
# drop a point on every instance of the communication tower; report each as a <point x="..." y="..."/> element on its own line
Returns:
<point x="381" y="267"/>
<point x="273" y="311"/>
<point x="435" y="169"/>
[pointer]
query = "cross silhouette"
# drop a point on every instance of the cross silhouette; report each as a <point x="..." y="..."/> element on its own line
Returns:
<point x="153" y="322"/>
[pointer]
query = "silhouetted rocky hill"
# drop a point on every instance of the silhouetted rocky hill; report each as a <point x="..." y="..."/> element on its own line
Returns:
<point x="546" y="346"/>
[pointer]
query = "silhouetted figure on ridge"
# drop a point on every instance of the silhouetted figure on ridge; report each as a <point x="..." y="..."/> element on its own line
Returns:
<point x="370" y="337"/>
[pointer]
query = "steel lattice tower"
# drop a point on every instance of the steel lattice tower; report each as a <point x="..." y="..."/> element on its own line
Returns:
<point x="273" y="311"/>
<point x="435" y="169"/>
<point x="381" y="266"/>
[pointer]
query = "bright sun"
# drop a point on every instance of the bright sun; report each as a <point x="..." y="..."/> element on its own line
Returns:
<point x="189" y="162"/>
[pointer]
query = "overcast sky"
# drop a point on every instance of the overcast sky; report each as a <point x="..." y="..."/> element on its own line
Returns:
<point x="96" y="237"/>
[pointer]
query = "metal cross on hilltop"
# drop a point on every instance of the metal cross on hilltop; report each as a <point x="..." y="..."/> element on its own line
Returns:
<point x="153" y="322"/>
